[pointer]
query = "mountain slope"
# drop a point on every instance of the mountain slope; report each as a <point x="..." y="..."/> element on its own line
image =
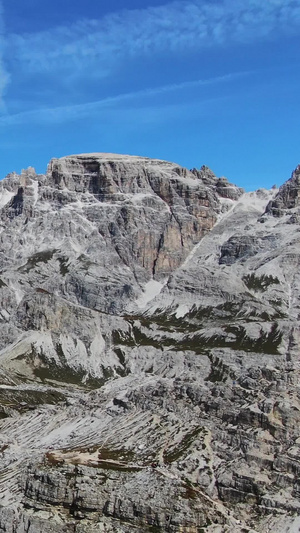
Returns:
<point x="149" y="349"/>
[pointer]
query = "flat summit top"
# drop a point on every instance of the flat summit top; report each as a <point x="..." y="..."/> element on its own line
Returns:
<point x="109" y="157"/>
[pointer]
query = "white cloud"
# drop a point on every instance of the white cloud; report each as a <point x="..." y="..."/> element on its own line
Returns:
<point x="66" y="113"/>
<point x="96" y="45"/>
<point x="4" y="76"/>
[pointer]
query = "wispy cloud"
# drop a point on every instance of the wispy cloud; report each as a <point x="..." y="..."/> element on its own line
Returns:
<point x="61" y="114"/>
<point x="96" y="45"/>
<point x="4" y="76"/>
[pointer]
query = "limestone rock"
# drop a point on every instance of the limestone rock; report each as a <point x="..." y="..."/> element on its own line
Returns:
<point x="149" y="362"/>
<point x="287" y="197"/>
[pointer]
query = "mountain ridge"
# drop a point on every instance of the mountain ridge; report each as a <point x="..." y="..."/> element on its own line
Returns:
<point x="149" y="355"/>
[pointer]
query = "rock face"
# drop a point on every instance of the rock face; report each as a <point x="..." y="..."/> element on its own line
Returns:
<point x="287" y="197"/>
<point x="149" y="358"/>
<point x="130" y="190"/>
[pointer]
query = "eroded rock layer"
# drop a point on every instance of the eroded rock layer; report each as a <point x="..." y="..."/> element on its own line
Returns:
<point x="149" y="358"/>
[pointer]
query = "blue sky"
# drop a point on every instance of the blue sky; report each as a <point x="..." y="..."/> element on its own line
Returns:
<point x="197" y="82"/>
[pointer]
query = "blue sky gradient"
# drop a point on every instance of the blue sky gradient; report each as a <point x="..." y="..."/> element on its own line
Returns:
<point x="197" y="82"/>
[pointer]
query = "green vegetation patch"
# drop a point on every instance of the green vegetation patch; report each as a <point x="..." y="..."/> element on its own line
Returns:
<point x="267" y="342"/>
<point x="260" y="283"/>
<point x="177" y="452"/>
<point x="63" y="265"/>
<point x="115" y="454"/>
<point x="27" y="399"/>
<point x="233" y="336"/>
<point x="142" y="332"/>
<point x="66" y="375"/>
<point x="107" y="458"/>
<point x="44" y="257"/>
<point x="136" y="337"/>
<point x="49" y="370"/>
<point x="35" y="259"/>
<point x="236" y="338"/>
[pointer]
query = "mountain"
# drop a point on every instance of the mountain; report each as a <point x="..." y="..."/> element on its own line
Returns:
<point x="149" y="362"/>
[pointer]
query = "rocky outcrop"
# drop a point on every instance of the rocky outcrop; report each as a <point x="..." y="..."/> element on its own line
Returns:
<point x="220" y="186"/>
<point x="149" y="364"/>
<point x="287" y="197"/>
<point x="242" y="247"/>
<point x="154" y="500"/>
<point x="102" y="225"/>
<point x="135" y="187"/>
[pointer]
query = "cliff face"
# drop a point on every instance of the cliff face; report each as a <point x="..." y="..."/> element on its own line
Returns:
<point x="151" y="212"/>
<point x="149" y="358"/>
<point x="287" y="197"/>
<point x="131" y="219"/>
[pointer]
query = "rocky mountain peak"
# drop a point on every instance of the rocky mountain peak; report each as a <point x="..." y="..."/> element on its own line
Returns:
<point x="119" y="194"/>
<point x="221" y="186"/>
<point x="149" y="350"/>
<point x="110" y="175"/>
<point x="287" y="197"/>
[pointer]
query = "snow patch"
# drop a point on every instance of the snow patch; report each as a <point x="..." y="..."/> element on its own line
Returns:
<point x="19" y="294"/>
<point x="182" y="310"/>
<point x="5" y="197"/>
<point x="151" y="290"/>
<point x="35" y="187"/>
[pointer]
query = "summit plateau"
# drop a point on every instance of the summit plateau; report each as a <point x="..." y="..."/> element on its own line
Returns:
<point x="149" y="350"/>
